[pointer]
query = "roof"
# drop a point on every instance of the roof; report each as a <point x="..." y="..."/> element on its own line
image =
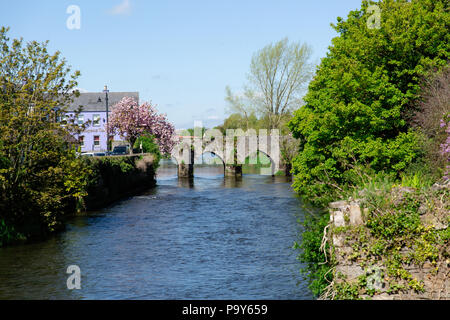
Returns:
<point x="95" y="101"/>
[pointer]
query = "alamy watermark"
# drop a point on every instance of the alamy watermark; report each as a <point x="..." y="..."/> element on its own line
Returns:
<point x="73" y="22"/>
<point x="74" y="280"/>
<point x="374" y="21"/>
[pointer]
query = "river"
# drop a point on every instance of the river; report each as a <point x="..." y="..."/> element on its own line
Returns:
<point x="213" y="238"/>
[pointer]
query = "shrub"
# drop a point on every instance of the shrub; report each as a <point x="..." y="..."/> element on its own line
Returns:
<point x="316" y="265"/>
<point x="433" y="118"/>
<point x="148" y="146"/>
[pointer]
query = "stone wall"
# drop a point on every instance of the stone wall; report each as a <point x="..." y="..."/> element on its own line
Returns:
<point x="347" y="215"/>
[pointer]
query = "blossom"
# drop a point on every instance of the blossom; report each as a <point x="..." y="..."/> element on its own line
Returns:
<point x="130" y="120"/>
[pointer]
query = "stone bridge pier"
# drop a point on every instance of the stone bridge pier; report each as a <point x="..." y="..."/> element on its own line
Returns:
<point x="186" y="169"/>
<point x="233" y="170"/>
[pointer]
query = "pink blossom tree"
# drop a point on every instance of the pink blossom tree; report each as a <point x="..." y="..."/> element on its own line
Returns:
<point x="130" y="120"/>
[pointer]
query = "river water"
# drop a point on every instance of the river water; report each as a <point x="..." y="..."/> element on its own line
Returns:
<point x="210" y="238"/>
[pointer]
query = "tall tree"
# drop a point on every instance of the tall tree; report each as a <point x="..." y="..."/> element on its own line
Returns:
<point x="39" y="171"/>
<point x="277" y="79"/>
<point x="364" y="94"/>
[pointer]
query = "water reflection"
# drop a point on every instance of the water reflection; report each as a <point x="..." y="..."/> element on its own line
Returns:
<point x="232" y="182"/>
<point x="186" y="182"/>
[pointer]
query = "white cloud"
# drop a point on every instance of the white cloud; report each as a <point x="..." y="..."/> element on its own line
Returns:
<point x="123" y="8"/>
<point x="212" y="118"/>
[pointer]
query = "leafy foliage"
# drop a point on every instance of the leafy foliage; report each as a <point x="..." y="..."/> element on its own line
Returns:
<point x="363" y="96"/>
<point x="317" y="266"/>
<point x="40" y="174"/>
<point x="433" y="118"/>
<point x="395" y="236"/>
<point x="277" y="78"/>
<point x="148" y="146"/>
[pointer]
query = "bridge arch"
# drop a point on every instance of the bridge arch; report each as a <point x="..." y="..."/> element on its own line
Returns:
<point x="274" y="167"/>
<point x="191" y="148"/>
<point x="212" y="153"/>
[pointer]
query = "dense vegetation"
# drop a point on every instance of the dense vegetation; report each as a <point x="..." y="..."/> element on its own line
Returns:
<point x="376" y="115"/>
<point x="40" y="175"/>
<point x="361" y="102"/>
<point x="115" y="177"/>
<point x="147" y="141"/>
<point x="406" y="227"/>
<point x="42" y="178"/>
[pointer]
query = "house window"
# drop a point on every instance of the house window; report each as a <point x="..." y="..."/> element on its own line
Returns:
<point x="96" y="140"/>
<point x="96" y="120"/>
<point x="81" y="140"/>
<point x="80" y="119"/>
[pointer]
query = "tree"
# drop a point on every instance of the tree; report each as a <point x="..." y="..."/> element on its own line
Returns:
<point x="131" y="120"/>
<point x="433" y="117"/>
<point x="288" y="150"/>
<point x="148" y="145"/>
<point x="364" y="94"/>
<point x="435" y="102"/>
<point x="277" y="79"/>
<point x="40" y="176"/>
<point x="199" y="131"/>
<point x="237" y="121"/>
<point x="241" y="107"/>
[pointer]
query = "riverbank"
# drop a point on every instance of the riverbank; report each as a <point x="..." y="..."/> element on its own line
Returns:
<point x="109" y="179"/>
<point x="117" y="177"/>
<point x="390" y="244"/>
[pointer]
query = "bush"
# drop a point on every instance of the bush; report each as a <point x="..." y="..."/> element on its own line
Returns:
<point x="8" y="234"/>
<point x="148" y="146"/>
<point x="433" y="118"/>
<point x="113" y="178"/>
<point x="317" y="266"/>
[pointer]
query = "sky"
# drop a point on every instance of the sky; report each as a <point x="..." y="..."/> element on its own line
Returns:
<point x="179" y="55"/>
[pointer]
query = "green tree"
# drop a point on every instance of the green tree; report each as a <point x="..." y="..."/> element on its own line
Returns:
<point x="149" y="145"/>
<point x="278" y="75"/>
<point x="363" y="96"/>
<point x="194" y="131"/>
<point x="237" y="121"/>
<point x="40" y="175"/>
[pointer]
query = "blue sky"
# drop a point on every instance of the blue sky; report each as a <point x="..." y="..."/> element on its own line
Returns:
<point x="178" y="54"/>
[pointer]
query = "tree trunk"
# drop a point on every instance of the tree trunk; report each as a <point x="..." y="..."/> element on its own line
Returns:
<point x="131" y="141"/>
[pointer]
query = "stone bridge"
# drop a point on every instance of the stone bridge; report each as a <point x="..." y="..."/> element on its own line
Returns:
<point x="232" y="149"/>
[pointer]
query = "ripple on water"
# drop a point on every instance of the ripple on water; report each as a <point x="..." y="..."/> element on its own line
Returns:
<point x="202" y="241"/>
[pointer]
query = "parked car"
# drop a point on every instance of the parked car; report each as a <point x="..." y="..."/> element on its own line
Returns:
<point x="99" y="154"/>
<point x="87" y="154"/>
<point x="120" y="150"/>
